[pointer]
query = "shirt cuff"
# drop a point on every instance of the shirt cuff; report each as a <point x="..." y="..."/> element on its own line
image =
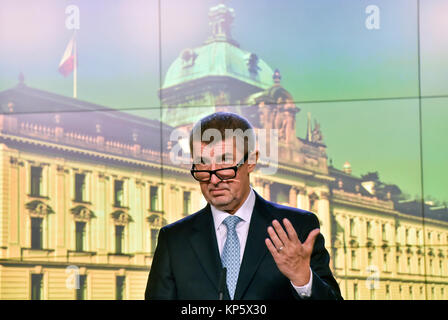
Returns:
<point x="305" y="291"/>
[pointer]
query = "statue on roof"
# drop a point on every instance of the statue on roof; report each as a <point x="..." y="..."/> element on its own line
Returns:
<point x="316" y="134"/>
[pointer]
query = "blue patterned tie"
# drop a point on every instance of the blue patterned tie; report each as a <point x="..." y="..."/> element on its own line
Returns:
<point x="230" y="256"/>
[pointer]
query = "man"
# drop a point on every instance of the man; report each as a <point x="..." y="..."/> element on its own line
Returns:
<point x="269" y="251"/>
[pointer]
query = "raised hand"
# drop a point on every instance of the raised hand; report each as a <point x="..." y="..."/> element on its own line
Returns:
<point x="291" y="256"/>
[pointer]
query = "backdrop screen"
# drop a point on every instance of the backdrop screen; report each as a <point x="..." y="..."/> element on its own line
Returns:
<point x="97" y="99"/>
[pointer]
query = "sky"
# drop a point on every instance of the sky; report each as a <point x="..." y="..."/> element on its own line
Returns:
<point x="362" y="85"/>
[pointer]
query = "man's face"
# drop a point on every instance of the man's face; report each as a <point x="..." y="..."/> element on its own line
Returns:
<point x="226" y="195"/>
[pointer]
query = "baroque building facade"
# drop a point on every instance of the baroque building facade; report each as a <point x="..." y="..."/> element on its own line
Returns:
<point x="85" y="188"/>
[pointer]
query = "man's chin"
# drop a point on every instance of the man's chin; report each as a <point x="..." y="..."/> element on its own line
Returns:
<point x="220" y="202"/>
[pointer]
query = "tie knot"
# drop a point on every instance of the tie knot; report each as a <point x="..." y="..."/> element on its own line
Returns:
<point x="231" y="222"/>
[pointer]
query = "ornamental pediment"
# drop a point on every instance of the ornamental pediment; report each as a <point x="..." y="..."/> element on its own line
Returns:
<point x="38" y="208"/>
<point x="370" y="245"/>
<point x="121" y="217"/>
<point x="157" y="220"/>
<point x="354" y="244"/>
<point x="82" y="213"/>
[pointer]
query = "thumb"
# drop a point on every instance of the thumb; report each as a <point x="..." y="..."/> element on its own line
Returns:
<point x="309" y="243"/>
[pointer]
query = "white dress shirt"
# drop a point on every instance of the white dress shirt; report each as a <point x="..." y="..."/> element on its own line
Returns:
<point x="242" y="230"/>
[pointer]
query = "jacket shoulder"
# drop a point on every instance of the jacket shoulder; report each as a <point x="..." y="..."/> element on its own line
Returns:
<point x="184" y="223"/>
<point x="293" y="214"/>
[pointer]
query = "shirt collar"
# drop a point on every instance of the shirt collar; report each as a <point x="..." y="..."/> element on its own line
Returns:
<point x="244" y="212"/>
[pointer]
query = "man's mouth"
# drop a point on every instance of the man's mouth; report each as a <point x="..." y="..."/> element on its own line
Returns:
<point x="214" y="191"/>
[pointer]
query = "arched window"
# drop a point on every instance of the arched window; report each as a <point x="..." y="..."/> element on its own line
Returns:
<point x="121" y="220"/>
<point x="38" y="215"/>
<point x="81" y="216"/>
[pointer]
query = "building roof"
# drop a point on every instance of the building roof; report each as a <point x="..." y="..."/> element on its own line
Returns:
<point x="220" y="56"/>
<point x="40" y="110"/>
<point x="221" y="59"/>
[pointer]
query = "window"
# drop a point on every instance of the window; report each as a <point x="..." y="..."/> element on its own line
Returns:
<point x="369" y="258"/>
<point x="154" y="198"/>
<point x="397" y="261"/>
<point x="411" y="293"/>
<point x="372" y="294"/>
<point x="36" y="233"/>
<point x="119" y="238"/>
<point x="352" y="227"/>
<point x="419" y="263"/>
<point x="187" y="202"/>
<point x="154" y="234"/>
<point x="80" y="187"/>
<point x="431" y="266"/>
<point x="441" y="267"/>
<point x="36" y="287"/>
<point x="118" y="193"/>
<point x="409" y="264"/>
<point x="383" y="231"/>
<point x="355" y="291"/>
<point x="81" y="292"/>
<point x="80" y="232"/>
<point x="313" y="204"/>
<point x="36" y="181"/>
<point x="336" y="258"/>
<point x="119" y="287"/>
<point x="387" y="292"/>
<point x="407" y="236"/>
<point x="369" y="229"/>
<point x="354" y="262"/>
<point x="433" y="293"/>
<point x="385" y="261"/>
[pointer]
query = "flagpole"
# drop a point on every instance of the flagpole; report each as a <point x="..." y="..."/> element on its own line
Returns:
<point x="75" y="68"/>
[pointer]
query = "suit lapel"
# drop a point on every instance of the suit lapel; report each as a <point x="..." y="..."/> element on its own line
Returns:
<point x="255" y="249"/>
<point x="205" y="245"/>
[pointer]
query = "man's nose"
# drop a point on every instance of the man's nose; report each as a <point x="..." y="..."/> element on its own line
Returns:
<point x="214" y="179"/>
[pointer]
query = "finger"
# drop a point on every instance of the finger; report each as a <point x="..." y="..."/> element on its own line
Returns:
<point x="275" y="239"/>
<point x="271" y="248"/>
<point x="312" y="238"/>
<point x="292" y="234"/>
<point x="280" y="231"/>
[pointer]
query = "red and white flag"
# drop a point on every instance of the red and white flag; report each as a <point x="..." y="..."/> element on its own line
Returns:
<point x="67" y="63"/>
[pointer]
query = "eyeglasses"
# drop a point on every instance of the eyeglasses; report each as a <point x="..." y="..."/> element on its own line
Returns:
<point x="222" y="174"/>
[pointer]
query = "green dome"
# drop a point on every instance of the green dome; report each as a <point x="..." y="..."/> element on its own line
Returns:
<point x="222" y="59"/>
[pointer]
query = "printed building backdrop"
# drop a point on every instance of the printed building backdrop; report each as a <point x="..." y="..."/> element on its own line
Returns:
<point x="90" y="92"/>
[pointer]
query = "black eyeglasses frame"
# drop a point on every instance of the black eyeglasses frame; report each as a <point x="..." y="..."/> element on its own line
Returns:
<point x="213" y="172"/>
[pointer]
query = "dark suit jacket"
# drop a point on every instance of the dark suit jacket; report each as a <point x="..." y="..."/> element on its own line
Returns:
<point x="187" y="264"/>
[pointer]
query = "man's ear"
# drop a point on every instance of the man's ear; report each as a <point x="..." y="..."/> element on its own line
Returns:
<point x="252" y="161"/>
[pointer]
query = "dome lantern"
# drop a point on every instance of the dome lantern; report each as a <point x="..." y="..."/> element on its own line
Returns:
<point x="221" y="19"/>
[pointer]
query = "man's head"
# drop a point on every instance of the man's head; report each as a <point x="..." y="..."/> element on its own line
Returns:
<point x="219" y="141"/>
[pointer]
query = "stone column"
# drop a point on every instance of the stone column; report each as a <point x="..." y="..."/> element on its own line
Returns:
<point x="293" y="197"/>
<point x="140" y="214"/>
<point x="323" y="211"/>
<point x="302" y="198"/>
<point x="257" y="185"/>
<point x="11" y="233"/>
<point x="267" y="190"/>
<point x="61" y="213"/>
<point x="104" y="227"/>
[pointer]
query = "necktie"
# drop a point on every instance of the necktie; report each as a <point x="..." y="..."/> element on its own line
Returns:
<point x="230" y="256"/>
